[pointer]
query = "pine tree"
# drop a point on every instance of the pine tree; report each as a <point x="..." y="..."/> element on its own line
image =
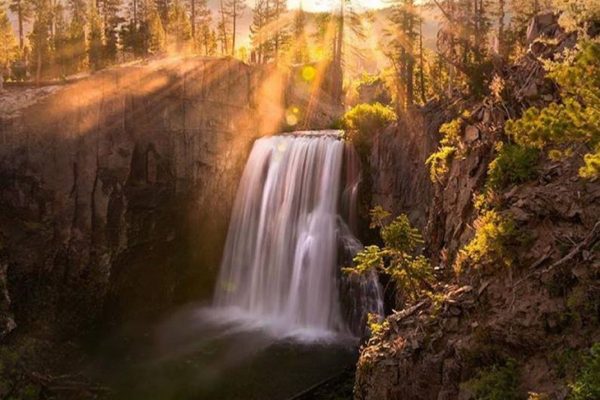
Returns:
<point x="95" y="45"/>
<point x="211" y="43"/>
<point x="320" y="37"/>
<point x="501" y="45"/>
<point x="224" y="29"/>
<point x="423" y="93"/>
<point x="179" y="30"/>
<point x="8" y="44"/>
<point x="281" y="36"/>
<point x="347" y="24"/>
<point x="22" y="9"/>
<point x="76" y="39"/>
<point x="402" y="48"/>
<point x="40" y="37"/>
<point x="269" y="31"/>
<point x="299" y="31"/>
<point x="201" y="31"/>
<point x="111" y="19"/>
<point x="233" y="10"/>
<point x="258" y="34"/>
<point x="61" y="42"/>
<point x="463" y="38"/>
<point x="156" y="32"/>
<point x="162" y="8"/>
<point x="134" y="34"/>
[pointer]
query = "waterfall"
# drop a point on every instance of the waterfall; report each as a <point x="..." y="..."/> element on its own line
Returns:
<point x="280" y="262"/>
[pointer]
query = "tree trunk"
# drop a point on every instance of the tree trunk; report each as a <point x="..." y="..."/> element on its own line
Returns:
<point x="421" y="63"/>
<point x="338" y="77"/>
<point x="224" y="48"/>
<point x="501" y="39"/>
<point x="20" y="17"/>
<point x="234" y="16"/>
<point x="38" y="71"/>
<point x="194" y="21"/>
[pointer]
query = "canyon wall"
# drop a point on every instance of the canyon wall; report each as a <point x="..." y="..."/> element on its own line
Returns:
<point x="532" y="301"/>
<point x="115" y="190"/>
<point x="399" y="176"/>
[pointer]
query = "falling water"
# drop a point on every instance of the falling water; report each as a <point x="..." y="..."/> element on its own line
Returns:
<point x="281" y="257"/>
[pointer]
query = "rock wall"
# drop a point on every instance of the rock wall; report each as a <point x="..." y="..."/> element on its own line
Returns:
<point x="115" y="191"/>
<point x="535" y="310"/>
<point x="399" y="176"/>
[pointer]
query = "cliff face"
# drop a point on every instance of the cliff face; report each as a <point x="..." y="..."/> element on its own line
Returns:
<point x="399" y="177"/>
<point x="538" y="311"/>
<point x="115" y="191"/>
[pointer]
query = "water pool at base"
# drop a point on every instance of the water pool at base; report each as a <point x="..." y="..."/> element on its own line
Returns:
<point x="190" y="358"/>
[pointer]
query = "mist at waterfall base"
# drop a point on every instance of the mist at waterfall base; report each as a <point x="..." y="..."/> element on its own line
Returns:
<point x="283" y="317"/>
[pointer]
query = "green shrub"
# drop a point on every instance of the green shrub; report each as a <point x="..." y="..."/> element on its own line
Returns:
<point x="574" y="121"/>
<point x="587" y="383"/>
<point x="451" y="132"/>
<point x="412" y="273"/>
<point x="494" y="233"/>
<point x="366" y="119"/>
<point x="499" y="382"/>
<point x="513" y="164"/>
<point x="450" y="145"/>
<point x="591" y="164"/>
<point x="439" y="162"/>
<point x="363" y="121"/>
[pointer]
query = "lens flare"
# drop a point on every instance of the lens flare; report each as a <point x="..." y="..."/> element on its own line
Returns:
<point x="309" y="73"/>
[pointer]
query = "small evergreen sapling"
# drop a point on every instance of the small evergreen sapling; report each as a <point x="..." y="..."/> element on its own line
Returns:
<point x="412" y="273"/>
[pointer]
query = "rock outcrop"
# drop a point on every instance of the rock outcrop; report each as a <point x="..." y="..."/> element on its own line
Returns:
<point x="537" y="311"/>
<point x="399" y="177"/>
<point x="115" y="191"/>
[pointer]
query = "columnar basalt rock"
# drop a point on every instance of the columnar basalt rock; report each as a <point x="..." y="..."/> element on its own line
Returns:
<point x="115" y="190"/>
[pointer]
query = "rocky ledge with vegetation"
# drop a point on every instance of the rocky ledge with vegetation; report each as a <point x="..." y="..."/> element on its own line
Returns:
<point x="506" y="305"/>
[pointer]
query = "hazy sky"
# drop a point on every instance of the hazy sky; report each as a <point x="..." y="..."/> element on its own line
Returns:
<point x="326" y="5"/>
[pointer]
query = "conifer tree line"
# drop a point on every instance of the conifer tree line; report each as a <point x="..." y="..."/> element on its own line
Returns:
<point x="58" y="38"/>
<point x="475" y="39"/>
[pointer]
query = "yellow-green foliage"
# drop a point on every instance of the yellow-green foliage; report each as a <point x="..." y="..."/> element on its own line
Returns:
<point x="451" y="132"/>
<point x="376" y="324"/>
<point x="438" y="163"/>
<point x="398" y="259"/>
<point x="513" y="164"/>
<point x="493" y="234"/>
<point x="538" y="396"/>
<point x="577" y="14"/>
<point x="363" y="121"/>
<point x="8" y="42"/>
<point x="591" y="164"/>
<point x="587" y="384"/>
<point x="499" y="382"/>
<point x="577" y="119"/>
<point x="367" y="119"/>
<point x="449" y="145"/>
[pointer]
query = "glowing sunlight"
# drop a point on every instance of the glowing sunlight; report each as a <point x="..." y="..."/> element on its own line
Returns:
<point x="299" y="199"/>
<point x="328" y="5"/>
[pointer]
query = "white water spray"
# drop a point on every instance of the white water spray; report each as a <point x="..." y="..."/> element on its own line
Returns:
<point x="280" y="263"/>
